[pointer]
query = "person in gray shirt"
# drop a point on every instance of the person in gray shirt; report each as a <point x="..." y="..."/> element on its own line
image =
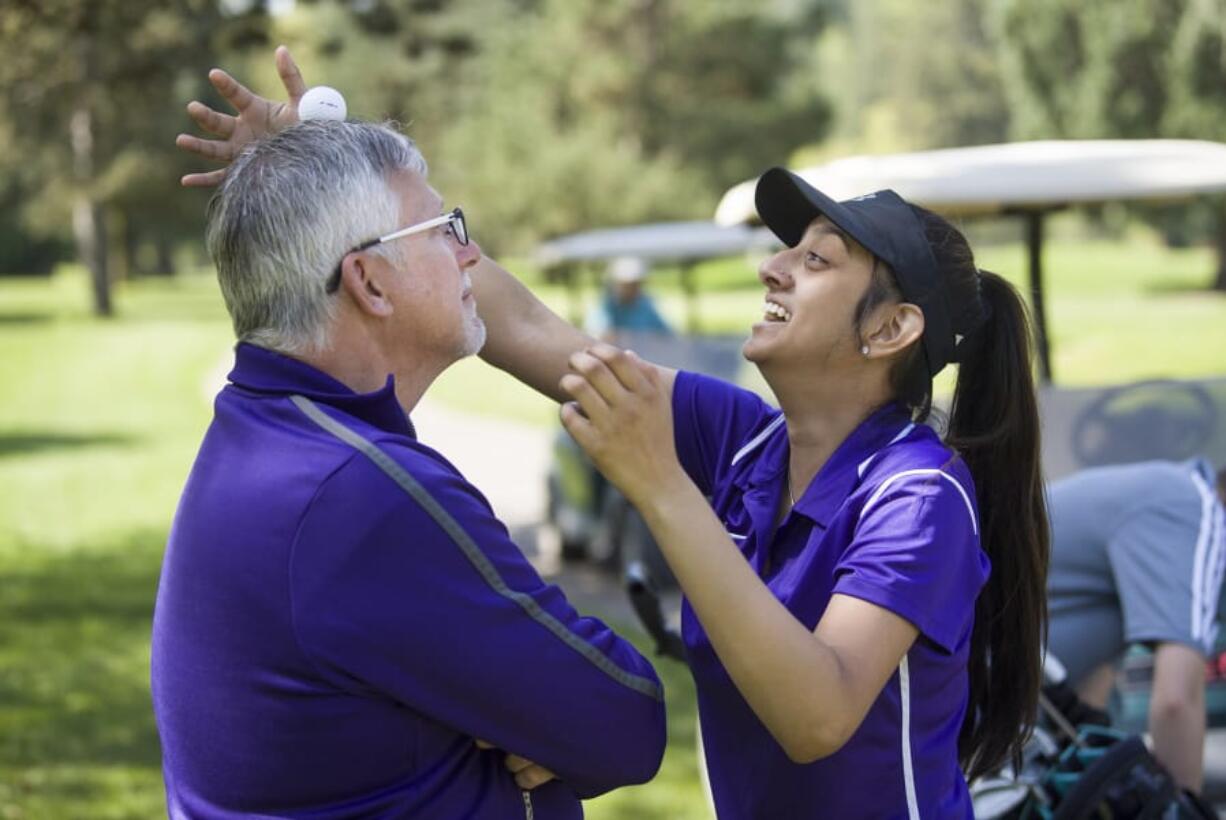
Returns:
<point x="1138" y="552"/>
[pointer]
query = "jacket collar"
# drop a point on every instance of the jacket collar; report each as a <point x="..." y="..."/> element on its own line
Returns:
<point x="261" y="370"/>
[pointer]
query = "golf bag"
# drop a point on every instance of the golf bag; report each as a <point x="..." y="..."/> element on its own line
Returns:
<point x="1076" y="766"/>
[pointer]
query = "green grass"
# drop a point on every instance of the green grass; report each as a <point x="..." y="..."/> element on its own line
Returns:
<point x="99" y="422"/>
<point x="98" y="427"/>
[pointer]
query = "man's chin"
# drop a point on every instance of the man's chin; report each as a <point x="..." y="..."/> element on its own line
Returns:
<point x="475" y="338"/>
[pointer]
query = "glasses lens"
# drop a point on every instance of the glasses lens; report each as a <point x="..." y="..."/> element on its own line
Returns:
<point x="459" y="227"/>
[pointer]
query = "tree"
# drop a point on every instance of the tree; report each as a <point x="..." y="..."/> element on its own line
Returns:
<point x="548" y="116"/>
<point x="91" y="92"/>
<point x="908" y="76"/>
<point x="1119" y="68"/>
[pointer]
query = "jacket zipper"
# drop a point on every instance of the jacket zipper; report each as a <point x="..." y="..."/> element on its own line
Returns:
<point x="527" y="804"/>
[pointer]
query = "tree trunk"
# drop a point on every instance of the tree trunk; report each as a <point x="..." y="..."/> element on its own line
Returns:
<point x="165" y="265"/>
<point x="88" y="217"/>
<point x="127" y="249"/>
<point x="1219" y="281"/>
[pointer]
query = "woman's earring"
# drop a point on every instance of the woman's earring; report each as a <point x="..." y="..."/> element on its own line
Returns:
<point x="864" y="350"/>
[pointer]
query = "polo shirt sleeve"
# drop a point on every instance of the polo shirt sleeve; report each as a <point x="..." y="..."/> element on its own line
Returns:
<point x="712" y="420"/>
<point x="1165" y="559"/>
<point x="439" y="610"/>
<point x="915" y="551"/>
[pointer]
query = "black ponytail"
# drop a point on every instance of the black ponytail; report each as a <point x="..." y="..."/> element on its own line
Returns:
<point x="993" y="426"/>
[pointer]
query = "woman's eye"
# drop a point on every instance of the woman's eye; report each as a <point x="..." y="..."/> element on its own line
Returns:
<point x="814" y="259"/>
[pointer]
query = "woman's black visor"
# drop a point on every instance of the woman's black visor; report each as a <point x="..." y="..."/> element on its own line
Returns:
<point x="886" y="226"/>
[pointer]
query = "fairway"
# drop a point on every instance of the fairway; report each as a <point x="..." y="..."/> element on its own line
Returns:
<point x="100" y="420"/>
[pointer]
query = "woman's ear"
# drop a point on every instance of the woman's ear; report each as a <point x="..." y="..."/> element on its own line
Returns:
<point x="898" y="326"/>
<point x="362" y="279"/>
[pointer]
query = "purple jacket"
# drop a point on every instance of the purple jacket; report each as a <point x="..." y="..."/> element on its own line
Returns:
<point x="340" y="614"/>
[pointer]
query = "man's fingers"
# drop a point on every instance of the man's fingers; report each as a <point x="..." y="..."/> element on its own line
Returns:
<point x="212" y="121"/>
<point x="533" y="776"/>
<point x="291" y="77"/>
<point x="206" y="180"/>
<point x="237" y="94"/>
<point x="212" y="149"/>
<point x="516" y="763"/>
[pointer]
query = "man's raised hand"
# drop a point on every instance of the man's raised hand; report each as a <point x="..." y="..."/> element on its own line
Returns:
<point x="256" y="117"/>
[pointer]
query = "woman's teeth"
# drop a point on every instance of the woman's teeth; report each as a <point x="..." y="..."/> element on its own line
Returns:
<point x="777" y="313"/>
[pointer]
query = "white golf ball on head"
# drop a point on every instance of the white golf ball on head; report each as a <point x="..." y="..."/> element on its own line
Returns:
<point x="322" y="103"/>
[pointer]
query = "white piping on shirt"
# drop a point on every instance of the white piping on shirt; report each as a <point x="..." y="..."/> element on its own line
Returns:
<point x="758" y="439"/>
<point x="908" y="770"/>
<point x="902" y="434"/>
<point x="1206" y="566"/>
<point x="885" y="485"/>
<point x="1215" y="587"/>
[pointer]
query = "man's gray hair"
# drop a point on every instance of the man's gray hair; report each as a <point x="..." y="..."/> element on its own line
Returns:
<point x="290" y="207"/>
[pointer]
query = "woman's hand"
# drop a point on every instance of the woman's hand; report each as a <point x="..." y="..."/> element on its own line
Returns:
<point x="257" y="117"/>
<point x="622" y="417"/>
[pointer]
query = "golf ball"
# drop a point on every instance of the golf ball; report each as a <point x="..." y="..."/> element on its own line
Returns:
<point x="322" y="103"/>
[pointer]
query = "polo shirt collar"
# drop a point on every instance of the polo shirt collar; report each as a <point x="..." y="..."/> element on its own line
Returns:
<point x="841" y="472"/>
<point x="266" y="371"/>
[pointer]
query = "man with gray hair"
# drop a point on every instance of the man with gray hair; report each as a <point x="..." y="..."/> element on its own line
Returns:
<point x="340" y="615"/>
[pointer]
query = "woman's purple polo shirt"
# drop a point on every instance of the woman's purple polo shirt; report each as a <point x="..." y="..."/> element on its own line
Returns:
<point x="890" y="519"/>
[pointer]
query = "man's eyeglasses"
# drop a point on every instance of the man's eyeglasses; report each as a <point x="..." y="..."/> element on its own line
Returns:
<point x="455" y="226"/>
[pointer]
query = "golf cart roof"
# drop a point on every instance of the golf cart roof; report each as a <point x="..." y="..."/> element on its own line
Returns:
<point x="1017" y="176"/>
<point x="656" y="242"/>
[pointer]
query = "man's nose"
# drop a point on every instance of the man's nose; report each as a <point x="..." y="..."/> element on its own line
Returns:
<point x="468" y="255"/>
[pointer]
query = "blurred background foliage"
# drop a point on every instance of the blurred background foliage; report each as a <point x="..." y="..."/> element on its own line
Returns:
<point x="549" y="116"/>
<point x="541" y="117"/>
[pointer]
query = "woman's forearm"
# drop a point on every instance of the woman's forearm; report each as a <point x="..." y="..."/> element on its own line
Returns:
<point x="523" y="336"/>
<point x="795" y="683"/>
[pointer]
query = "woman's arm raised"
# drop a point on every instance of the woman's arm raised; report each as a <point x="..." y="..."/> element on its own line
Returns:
<point x="523" y="336"/>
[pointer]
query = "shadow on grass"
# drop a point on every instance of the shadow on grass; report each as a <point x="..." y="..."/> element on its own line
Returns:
<point x="74" y="647"/>
<point x="1184" y="287"/>
<point x="172" y="305"/>
<point x="25" y="318"/>
<point x="22" y="443"/>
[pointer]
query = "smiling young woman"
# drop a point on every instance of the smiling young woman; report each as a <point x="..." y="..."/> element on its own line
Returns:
<point x="848" y="573"/>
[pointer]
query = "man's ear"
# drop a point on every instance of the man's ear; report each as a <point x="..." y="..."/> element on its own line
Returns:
<point x="362" y="279"/>
<point x="894" y="328"/>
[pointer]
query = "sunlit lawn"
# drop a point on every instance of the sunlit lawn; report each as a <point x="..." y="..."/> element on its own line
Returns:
<point x="99" y="421"/>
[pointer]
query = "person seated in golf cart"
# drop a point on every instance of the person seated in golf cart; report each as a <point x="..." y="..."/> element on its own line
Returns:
<point x="624" y="306"/>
